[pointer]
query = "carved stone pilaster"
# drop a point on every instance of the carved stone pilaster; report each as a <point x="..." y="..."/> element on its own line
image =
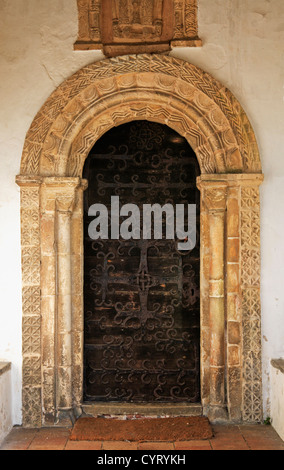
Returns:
<point x="232" y="201"/>
<point x="47" y="205"/>
<point x="31" y="281"/>
<point x="186" y="24"/>
<point x="59" y="201"/>
<point x="251" y="304"/>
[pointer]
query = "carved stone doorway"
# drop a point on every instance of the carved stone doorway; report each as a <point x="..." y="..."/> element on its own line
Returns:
<point x="142" y="297"/>
<point x="96" y="99"/>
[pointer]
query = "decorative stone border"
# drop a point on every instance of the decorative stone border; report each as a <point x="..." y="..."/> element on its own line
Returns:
<point x="78" y="113"/>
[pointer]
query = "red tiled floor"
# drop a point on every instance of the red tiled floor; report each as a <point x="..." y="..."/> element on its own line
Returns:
<point x="258" y="437"/>
<point x="83" y="445"/>
<point x="193" y="445"/>
<point x="156" y="446"/>
<point x="229" y="444"/>
<point x="47" y="439"/>
<point x="228" y="438"/>
<point x="120" y="445"/>
<point x="19" y="439"/>
<point x="225" y="438"/>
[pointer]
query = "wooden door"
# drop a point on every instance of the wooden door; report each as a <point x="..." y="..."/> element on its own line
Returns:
<point x="142" y="297"/>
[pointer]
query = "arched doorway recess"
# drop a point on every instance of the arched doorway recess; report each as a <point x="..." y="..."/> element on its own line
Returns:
<point x="97" y="98"/>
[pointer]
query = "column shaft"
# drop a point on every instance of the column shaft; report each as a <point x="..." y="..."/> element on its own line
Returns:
<point x="64" y="304"/>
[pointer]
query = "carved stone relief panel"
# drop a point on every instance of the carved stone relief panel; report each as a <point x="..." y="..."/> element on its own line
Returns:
<point x="31" y="324"/>
<point x="250" y="278"/>
<point x="125" y="27"/>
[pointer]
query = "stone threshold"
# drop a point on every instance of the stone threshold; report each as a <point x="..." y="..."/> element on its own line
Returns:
<point x="143" y="410"/>
<point x="278" y="364"/>
<point x="5" y="367"/>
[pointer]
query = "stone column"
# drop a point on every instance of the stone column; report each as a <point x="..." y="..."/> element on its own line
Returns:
<point x="214" y="195"/>
<point x="77" y="269"/>
<point x="64" y="208"/>
<point x="233" y="301"/>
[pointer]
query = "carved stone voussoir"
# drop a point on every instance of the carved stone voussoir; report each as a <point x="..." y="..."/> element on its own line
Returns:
<point x="151" y="87"/>
<point x="120" y="27"/>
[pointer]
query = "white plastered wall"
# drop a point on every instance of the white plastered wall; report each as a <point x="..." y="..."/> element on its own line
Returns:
<point x="243" y="48"/>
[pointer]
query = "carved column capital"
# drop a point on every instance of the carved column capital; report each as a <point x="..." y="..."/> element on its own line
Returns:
<point x="65" y="204"/>
<point x="215" y="199"/>
<point x="214" y="194"/>
<point x="61" y="194"/>
<point x="214" y="188"/>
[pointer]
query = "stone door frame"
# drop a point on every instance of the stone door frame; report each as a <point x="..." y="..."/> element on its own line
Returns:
<point x="101" y="96"/>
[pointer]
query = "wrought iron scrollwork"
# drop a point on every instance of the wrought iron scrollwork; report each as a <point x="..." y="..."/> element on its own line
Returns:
<point x="142" y="307"/>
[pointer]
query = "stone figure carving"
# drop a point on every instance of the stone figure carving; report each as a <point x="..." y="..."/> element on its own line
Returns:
<point x="141" y="19"/>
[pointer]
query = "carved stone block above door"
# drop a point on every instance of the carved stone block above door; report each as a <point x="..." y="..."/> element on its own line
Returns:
<point x="120" y="27"/>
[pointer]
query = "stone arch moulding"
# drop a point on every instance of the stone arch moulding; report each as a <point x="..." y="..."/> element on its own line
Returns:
<point x="95" y="99"/>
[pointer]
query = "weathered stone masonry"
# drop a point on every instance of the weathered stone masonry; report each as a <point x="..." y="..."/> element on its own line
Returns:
<point x="78" y="113"/>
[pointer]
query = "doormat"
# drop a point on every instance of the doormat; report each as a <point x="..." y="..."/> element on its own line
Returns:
<point x="141" y="430"/>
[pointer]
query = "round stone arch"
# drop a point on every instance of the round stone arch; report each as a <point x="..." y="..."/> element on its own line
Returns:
<point x="167" y="90"/>
<point x="97" y="98"/>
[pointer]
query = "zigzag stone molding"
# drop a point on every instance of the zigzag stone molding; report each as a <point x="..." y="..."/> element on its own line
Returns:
<point x="185" y="97"/>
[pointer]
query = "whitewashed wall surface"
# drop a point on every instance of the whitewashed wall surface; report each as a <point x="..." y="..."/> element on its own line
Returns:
<point x="243" y="48"/>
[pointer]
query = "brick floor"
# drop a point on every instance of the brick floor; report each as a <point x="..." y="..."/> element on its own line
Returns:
<point x="225" y="438"/>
